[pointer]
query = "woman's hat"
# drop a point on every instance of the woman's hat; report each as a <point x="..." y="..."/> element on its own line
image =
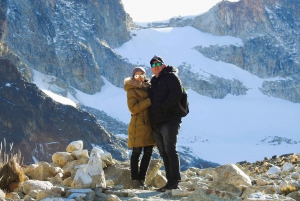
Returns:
<point x="138" y="69"/>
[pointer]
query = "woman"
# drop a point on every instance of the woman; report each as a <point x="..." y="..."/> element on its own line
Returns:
<point x="139" y="129"/>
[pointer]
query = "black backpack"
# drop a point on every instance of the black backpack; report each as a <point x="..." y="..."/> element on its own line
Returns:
<point x="184" y="104"/>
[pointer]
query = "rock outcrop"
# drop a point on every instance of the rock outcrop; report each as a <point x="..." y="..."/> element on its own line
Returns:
<point x="71" y="40"/>
<point x="100" y="177"/>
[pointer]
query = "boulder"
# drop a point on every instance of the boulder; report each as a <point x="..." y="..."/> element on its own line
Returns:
<point x="36" y="185"/>
<point x="231" y="174"/>
<point x="42" y="171"/>
<point x="75" y="145"/>
<point x="90" y="175"/>
<point x="77" y="154"/>
<point x="62" y="158"/>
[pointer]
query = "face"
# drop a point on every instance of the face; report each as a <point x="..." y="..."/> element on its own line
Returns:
<point x="139" y="76"/>
<point x="156" y="69"/>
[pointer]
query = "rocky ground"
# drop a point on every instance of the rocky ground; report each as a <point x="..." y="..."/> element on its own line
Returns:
<point x="75" y="174"/>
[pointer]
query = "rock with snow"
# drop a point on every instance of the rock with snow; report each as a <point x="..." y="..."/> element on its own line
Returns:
<point x="287" y="167"/>
<point x="84" y="194"/>
<point x="273" y="170"/>
<point x="90" y="175"/>
<point x="105" y="157"/>
<point x="2" y="194"/>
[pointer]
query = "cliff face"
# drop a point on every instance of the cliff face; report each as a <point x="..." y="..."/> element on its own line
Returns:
<point x="243" y="18"/>
<point x="270" y="33"/>
<point x="71" y="40"/>
<point x="37" y="125"/>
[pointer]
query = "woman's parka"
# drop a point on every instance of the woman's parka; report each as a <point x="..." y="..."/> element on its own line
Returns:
<point x="138" y="101"/>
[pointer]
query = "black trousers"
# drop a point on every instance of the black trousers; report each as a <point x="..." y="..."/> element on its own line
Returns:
<point x="136" y="172"/>
<point x="165" y="135"/>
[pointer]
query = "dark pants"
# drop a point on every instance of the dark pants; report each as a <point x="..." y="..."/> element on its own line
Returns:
<point x="165" y="135"/>
<point x="137" y="174"/>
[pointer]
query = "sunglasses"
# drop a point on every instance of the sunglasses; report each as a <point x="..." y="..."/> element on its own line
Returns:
<point x="136" y="76"/>
<point x="156" y="64"/>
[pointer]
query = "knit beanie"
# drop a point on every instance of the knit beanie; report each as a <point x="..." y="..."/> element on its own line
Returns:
<point x="138" y="69"/>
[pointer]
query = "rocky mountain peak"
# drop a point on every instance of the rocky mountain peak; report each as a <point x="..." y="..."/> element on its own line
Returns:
<point x="243" y="17"/>
<point x="71" y="40"/>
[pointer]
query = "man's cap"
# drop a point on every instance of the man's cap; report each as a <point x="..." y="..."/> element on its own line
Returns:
<point x="156" y="58"/>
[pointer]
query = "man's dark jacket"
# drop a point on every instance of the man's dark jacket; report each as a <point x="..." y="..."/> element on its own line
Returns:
<point x="166" y="91"/>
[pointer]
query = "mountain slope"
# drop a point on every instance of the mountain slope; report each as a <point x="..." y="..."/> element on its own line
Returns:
<point x="240" y="126"/>
<point x="39" y="126"/>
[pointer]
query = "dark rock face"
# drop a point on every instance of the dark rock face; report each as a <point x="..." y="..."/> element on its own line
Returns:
<point x="38" y="126"/>
<point x="242" y="19"/>
<point x="259" y="56"/>
<point x="284" y="89"/>
<point x="71" y="40"/>
<point x="214" y="87"/>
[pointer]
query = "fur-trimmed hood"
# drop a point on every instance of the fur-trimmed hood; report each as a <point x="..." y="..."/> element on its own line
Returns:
<point x="131" y="83"/>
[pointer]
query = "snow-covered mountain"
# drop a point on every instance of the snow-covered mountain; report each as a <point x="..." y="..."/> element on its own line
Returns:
<point x="235" y="128"/>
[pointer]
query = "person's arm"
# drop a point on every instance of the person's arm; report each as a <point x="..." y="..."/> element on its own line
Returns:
<point x="133" y="105"/>
<point x="175" y="87"/>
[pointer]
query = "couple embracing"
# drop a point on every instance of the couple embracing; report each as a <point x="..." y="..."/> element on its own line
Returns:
<point x="155" y="121"/>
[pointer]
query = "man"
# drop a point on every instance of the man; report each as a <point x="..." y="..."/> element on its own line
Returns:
<point x="166" y="91"/>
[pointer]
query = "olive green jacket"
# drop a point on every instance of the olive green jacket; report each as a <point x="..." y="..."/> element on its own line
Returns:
<point x="138" y="101"/>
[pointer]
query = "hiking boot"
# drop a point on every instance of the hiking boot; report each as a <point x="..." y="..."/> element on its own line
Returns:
<point x="162" y="189"/>
<point x="143" y="185"/>
<point x="142" y="182"/>
<point x="169" y="187"/>
<point x="135" y="184"/>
